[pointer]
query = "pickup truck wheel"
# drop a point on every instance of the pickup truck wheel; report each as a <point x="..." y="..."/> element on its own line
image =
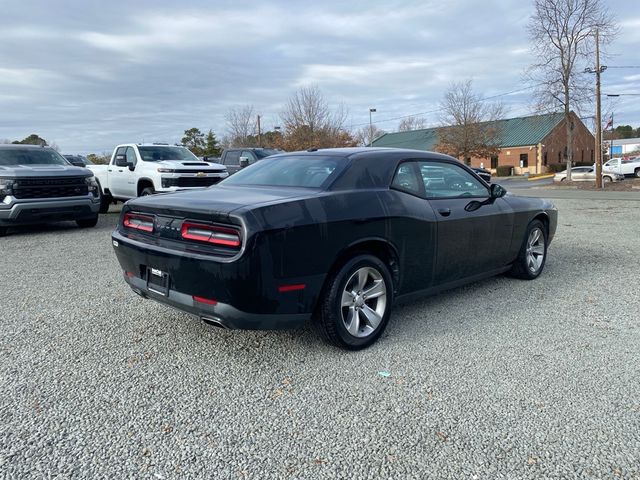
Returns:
<point x="3" y="231"/>
<point x="105" y="201"/>
<point x="147" y="191"/>
<point x="533" y="253"/>
<point x="356" y="303"/>
<point x="87" y="222"/>
<point x="637" y="172"/>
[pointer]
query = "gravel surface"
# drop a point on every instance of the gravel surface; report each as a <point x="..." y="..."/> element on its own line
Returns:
<point x="500" y="379"/>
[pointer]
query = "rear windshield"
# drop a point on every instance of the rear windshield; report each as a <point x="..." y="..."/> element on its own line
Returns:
<point x="30" y="156"/>
<point x="265" y="152"/>
<point x="308" y="171"/>
<point x="157" y="154"/>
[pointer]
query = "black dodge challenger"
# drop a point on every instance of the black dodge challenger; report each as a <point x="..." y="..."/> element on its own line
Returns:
<point x="333" y="235"/>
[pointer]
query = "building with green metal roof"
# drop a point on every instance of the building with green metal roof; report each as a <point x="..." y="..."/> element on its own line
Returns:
<point x="528" y="144"/>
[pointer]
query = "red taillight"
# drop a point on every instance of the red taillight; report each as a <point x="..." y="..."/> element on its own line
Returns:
<point x="291" y="288"/>
<point x="138" y="222"/>
<point x="206" y="301"/>
<point x="215" y="234"/>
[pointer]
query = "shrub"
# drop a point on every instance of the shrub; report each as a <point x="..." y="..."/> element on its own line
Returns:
<point x="503" y="171"/>
<point x="556" y="167"/>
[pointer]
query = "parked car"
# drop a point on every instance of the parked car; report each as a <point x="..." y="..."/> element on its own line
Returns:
<point x="37" y="185"/>
<point x="630" y="167"/>
<point x="336" y="235"/>
<point x="78" y="160"/>
<point x="483" y="174"/>
<point x="587" y="174"/>
<point x="138" y="169"/>
<point x="235" y="159"/>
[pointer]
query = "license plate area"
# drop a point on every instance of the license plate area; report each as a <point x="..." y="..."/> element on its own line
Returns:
<point x="158" y="281"/>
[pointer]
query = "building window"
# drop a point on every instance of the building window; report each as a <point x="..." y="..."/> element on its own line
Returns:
<point x="582" y="156"/>
<point x="592" y="156"/>
<point x="524" y="159"/>
<point x="544" y="159"/>
<point x="494" y="162"/>
<point x="559" y="157"/>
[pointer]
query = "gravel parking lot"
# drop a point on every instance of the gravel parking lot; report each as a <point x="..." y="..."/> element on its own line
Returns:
<point x="500" y="379"/>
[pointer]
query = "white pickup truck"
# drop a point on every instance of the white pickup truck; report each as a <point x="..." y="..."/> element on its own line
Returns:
<point x="138" y="169"/>
<point x="630" y="167"/>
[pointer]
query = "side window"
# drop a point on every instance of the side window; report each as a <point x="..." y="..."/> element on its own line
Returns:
<point x="120" y="163"/>
<point x="232" y="158"/>
<point x="249" y="155"/>
<point x="450" y="180"/>
<point x="131" y="156"/>
<point x="406" y="179"/>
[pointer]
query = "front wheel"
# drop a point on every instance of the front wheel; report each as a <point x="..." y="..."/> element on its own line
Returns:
<point x="105" y="201"/>
<point x="87" y="222"/>
<point x="533" y="253"/>
<point x="607" y="179"/>
<point x="356" y="303"/>
<point x="637" y="172"/>
<point x="147" y="191"/>
<point x="3" y="231"/>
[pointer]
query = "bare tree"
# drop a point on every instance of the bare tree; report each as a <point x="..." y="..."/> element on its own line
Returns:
<point x="412" y="123"/>
<point x="561" y="33"/>
<point x="241" y="127"/>
<point x="469" y="124"/>
<point x="365" y="135"/>
<point x="308" y="121"/>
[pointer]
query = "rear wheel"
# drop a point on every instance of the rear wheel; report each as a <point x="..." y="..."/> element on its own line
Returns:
<point x="533" y="253"/>
<point x="607" y="179"/>
<point x="356" y="303"/>
<point x="87" y="222"/>
<point x="637" y="172"/>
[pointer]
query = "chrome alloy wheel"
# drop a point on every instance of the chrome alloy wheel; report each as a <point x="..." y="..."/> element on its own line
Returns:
<point x="364" y="301"/>
<point x="535" y="250"/>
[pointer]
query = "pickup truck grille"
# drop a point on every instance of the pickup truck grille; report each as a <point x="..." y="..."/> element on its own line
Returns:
<point x="191" y="181"/>
<point x="50" y="187"/>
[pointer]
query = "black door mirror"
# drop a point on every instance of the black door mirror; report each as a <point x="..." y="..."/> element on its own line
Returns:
<point x="131" y="166"/>
<point x="497" y="191"/>
<point x="244" y="162"/>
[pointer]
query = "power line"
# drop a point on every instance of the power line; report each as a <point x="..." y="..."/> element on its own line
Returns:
<point x="623" y="66"/>
<point x="441" y="108"/>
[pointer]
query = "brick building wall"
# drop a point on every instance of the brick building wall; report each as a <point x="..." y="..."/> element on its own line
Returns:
<point x="550" y="150"/>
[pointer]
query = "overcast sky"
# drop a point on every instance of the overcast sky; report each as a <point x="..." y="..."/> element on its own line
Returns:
<point x="90" y="74"/>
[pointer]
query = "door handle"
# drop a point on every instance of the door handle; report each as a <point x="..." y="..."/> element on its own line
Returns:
<point x="120" y="170"/>
<point x="445" y="212"/>
<point x="109" y="170"/>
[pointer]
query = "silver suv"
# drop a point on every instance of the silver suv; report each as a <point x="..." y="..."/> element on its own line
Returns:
<point x="38" y="185"/>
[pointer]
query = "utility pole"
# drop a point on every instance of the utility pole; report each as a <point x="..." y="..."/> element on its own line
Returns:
<point x="598" y="148"/>
<point x="259" y="133"/>
<point x="371" y="110"/>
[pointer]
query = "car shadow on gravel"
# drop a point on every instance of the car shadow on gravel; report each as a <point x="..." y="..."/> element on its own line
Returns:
<point x="53" y="228"/>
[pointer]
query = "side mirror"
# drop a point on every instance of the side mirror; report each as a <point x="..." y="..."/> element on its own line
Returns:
<point x="131" y="166"/>
<point x="244" y="162"/>
<point x="497" y="191"/>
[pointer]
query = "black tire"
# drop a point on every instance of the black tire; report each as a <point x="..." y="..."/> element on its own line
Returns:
<point x="329" y="318"/>
<point x="87" y="222"/>
<point x="105" y="202"/>
<point x="3" y="231"/>
<point x="637" y="172"/>
<point x="521" y="268"/>
<point x="147" y="191"/>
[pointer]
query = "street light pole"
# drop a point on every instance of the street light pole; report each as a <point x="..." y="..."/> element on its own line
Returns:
<point x="371" y="110"/>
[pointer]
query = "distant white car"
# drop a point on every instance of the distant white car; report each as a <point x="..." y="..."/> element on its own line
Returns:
<point x="587" y="174"/>
<point x="629" y="167"/>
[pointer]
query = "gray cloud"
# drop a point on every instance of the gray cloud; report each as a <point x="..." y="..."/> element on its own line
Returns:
<point x="88" y="75"/>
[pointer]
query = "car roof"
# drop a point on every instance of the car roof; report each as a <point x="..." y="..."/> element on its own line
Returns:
<point x="357" y="153"/>
<point x="22" y="146"/>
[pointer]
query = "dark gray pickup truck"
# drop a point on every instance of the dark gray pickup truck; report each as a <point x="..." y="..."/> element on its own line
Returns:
<point x="37" y="185"/>
<point x="237" y="158"/>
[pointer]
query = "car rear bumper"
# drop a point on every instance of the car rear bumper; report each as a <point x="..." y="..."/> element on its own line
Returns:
<point x="218" y="314"/>
<point x="24" y="212"/>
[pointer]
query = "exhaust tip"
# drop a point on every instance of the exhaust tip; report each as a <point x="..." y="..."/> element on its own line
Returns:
<point x="214" y="322"/>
